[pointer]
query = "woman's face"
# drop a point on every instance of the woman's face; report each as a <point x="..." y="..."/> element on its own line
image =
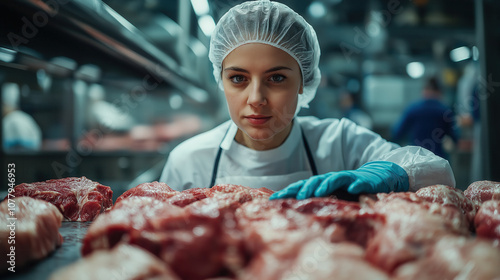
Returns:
<point x="261" y="84"/>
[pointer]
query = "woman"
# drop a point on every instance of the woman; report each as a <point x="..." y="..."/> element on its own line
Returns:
<point x="265" y="58"/>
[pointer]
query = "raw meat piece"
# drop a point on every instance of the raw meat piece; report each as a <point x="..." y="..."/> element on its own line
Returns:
<point x="78" y="199"/>
<point x="122" y="262"/>
<point x="314" y="258"/>
<point x="128" y="214"/>
<point x="448" y="196"/>
<point x="487" y="221"/>
<point x="358" y="222"/>
<point x="481" y="191"/>
<point x="452" y="217"/>
<point x="274" y="226"/>
<point x="155" y="189"/>
<point x="36" y="230"/>
<point x="203" y="236"/>
<point x="301" y="213"/>
<point x="455" y="258"/>
<point x="162" y="191"/>
<point x="228" y="188"/>
<point x="411" y="228"/>
<point x="341" y="261"/>
<point x="275" y="231"/>
<point x="188" y="196"/>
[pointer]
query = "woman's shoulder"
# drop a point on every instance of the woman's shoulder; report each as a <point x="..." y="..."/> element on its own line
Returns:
<point x="329" y="129"/>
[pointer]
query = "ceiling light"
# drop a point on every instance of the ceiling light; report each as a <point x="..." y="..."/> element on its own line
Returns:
<point x="475" y="53"/>
<point x="200" y="7"/>
<point x="207" y="24"/>
<point x="317" y="9"/>
<point x="460" y="54"/>
<point x="415" y="69"/>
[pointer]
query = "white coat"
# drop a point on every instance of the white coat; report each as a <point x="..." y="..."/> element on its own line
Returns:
<point x="335" y="145"/>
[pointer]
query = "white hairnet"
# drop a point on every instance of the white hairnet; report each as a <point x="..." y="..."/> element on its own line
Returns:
<point x="274" y="24"/>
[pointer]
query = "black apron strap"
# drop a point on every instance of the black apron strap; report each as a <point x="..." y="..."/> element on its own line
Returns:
<point x="216" y="167"/>
<point x="217" y="160"/>
<point x="310" y="158"/>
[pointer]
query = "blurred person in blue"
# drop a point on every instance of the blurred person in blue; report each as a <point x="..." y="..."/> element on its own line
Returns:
<point x="265" y="58"/>
<point x="428" y="121"/>
<point x="19" y="130"/>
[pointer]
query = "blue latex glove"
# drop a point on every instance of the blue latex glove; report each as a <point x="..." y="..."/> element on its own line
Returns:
<point x="372" y="177"/>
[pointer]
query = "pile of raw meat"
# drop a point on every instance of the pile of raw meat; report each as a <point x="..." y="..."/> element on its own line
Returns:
<point x="31" y="216"/>
<point x="78" y="199"/>
<point x="235" y="232"/>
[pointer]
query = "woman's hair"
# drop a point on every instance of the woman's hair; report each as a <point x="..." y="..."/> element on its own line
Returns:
<point x="274" y="24"/>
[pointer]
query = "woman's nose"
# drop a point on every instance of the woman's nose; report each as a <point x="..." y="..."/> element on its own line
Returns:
<point x="257" y="95"/>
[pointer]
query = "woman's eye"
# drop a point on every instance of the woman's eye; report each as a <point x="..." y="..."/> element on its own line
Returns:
<point x="277" y="78"/>
<point x="237" y="79"/>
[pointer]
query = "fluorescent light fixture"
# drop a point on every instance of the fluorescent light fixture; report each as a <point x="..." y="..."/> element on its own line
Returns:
<point x="317" y="9"/>
<point x="7" y="55"/>
<point x="475" y="53"/>
<point x="415" y="69"/>
<point x="207" y="24"/>
<point x="459" y="54"/>
<point x="200" y="7"/>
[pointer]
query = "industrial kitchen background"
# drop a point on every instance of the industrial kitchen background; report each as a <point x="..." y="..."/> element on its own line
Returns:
<point x="114" y="85"/>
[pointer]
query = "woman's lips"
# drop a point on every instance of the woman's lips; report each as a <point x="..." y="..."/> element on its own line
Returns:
<point x="257" y="119"/>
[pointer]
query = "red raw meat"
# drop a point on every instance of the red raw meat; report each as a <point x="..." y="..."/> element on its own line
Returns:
<point x="317" y="259"/>
<point x="340" y="261"/>
<point x="188" y="196"/>
<point x="275" y="231"/>
<point x="36" y="230"/>
<point x="448" y="196"/>
<point x="122" y="262"/>
<point x="452" y="217"/>
<point x="228" y="188"/>
<point x="78" y="199"/>
<point x="487" y="221"/>
<point x="324" y="211"/>
<point x="481" y="191"/>
<point x="267" y="225"/>
<point x="201" y="235"/>
<point x="411" y="228"/>
<point x="162" y="191"/>
<point x="454" y="258"/>
<point x="155" y="189"/>
<point x="128" y="214"/>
